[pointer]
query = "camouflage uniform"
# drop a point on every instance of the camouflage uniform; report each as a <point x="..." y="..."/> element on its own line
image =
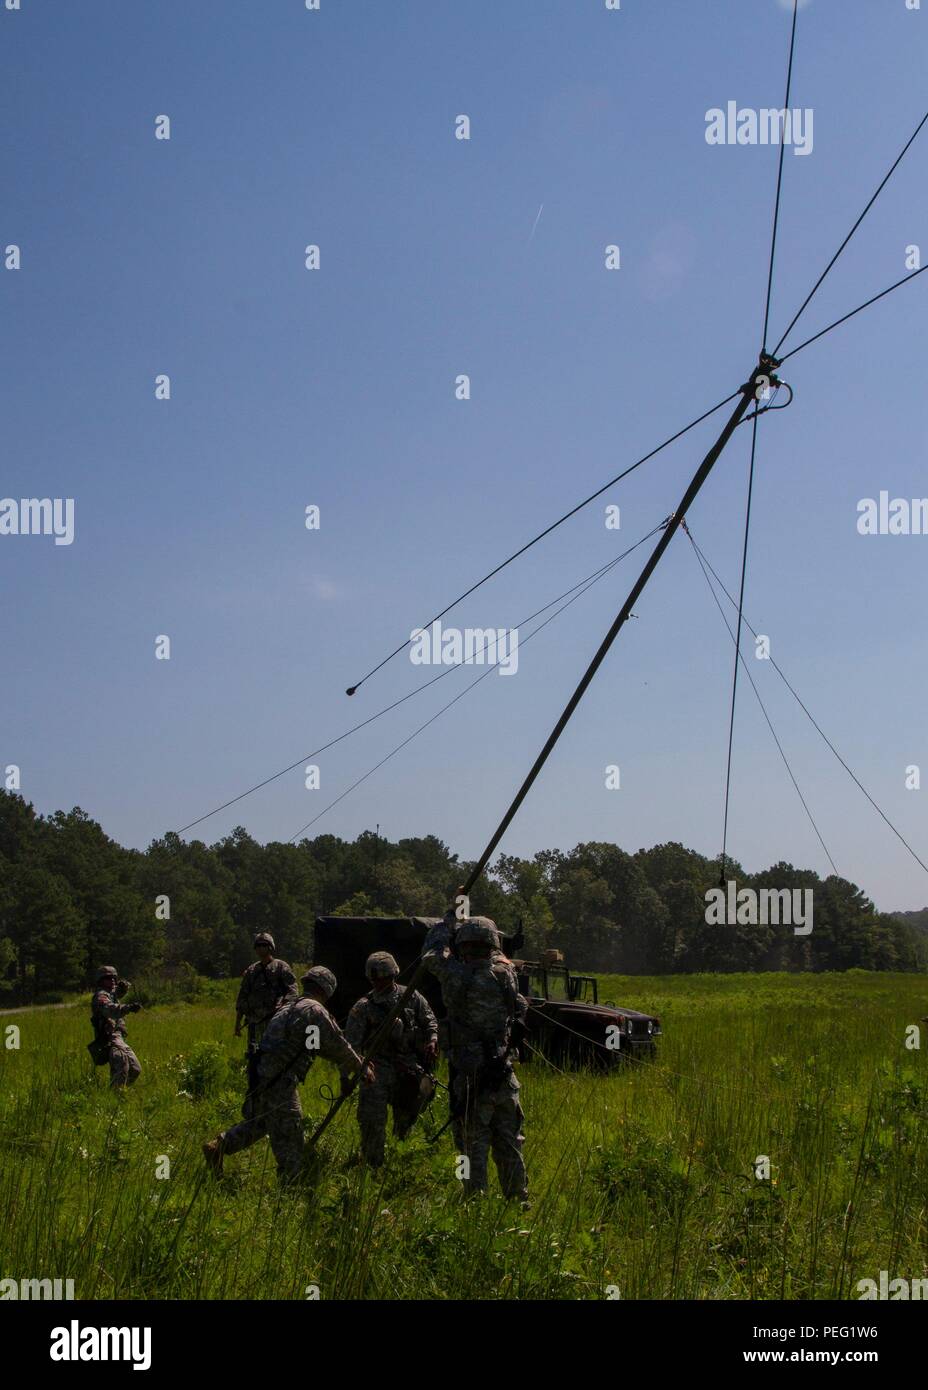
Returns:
<point x="482" y="999"/>
<point x="263" y="990"/>
<point x="396" y="1064"/>
<point x="106" y="1015"/>
<point x="283" y="1061"/>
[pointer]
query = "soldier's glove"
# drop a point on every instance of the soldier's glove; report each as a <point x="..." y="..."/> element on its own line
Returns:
<point x="122" y="986"/>
<point x="431" y="1052"/>
<point x="133" y="1008"/>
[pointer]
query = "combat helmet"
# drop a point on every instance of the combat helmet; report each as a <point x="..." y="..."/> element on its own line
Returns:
<point x="480" y="930"/>
<point x="264" y="938"/>
<point x="380" y="966"/>
<point x="320" y="978"/>
<point x="106" y="970"/>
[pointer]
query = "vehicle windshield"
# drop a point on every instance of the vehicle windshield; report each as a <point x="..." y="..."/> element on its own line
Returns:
<point x="553" y="982"/>
<point x="557" y="984"/>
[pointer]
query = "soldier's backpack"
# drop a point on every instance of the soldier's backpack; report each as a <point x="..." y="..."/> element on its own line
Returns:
<point x="286" y="1044"/>
<point x="99" y="1051"/>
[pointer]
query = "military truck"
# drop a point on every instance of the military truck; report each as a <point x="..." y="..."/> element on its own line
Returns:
<point x="566" y="1022"/>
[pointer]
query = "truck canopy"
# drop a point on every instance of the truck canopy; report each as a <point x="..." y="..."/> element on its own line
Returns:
<point x="344" y="944"/>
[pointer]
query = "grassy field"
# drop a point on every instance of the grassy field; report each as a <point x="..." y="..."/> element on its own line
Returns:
<point x="643" y="1180"/>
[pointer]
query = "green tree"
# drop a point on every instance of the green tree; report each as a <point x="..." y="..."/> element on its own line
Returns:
<point x="397" y="884"/>
<point x="44" y="928"/>
<point x="102" y="878"/>
<point x="274" y="888"/>
<point x="360" y="905"/>
<point x="200" y="929"/>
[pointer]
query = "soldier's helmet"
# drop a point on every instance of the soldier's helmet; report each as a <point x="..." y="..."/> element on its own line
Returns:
<point x="106" y="971"/>
<point x="321" y="979"/>
<point x="381" y="966"/>
<point x="264" y="938"/>
<point x="480" y="930"/>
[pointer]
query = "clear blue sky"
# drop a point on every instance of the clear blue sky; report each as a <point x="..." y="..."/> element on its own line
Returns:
<point x="336" y="388"/>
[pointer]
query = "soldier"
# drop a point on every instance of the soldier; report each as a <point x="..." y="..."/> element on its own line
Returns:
<point x="482" y="998"/>
<point x="106" y="1015"/>
<point x="266" y="985"/>
<point x="403" y="1058"/>
<point x="296" y="1034"/>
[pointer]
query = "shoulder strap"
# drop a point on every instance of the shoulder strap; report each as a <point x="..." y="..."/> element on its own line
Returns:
<point x="374" y="998"/>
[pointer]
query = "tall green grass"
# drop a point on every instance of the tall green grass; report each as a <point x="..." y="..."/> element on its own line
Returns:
<point x="643" y="1180"/>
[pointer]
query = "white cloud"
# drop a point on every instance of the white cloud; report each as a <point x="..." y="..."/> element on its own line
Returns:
<point x="324" y="589"/>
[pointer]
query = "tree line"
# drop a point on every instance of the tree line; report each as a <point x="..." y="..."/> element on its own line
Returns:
<point x="71" y="898"/>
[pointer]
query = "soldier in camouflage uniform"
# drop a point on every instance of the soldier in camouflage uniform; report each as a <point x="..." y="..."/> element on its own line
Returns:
<point x="266" y="985"/>
<point x="106" y="1015"/>
<point x="296" y="1035"/>
<point x="402" y="1058"/>
<point x="481" y="995"/>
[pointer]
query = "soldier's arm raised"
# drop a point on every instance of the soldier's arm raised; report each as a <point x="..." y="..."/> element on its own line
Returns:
<point x="437" y="958"/>
<point x="105" y="1009"/>
<point x="436" y="951"/>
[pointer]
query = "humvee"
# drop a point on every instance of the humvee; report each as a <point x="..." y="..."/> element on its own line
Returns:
<point x="566" y="1022"/>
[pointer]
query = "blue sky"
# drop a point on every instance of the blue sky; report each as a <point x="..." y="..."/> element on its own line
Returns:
<point x="336" y="388"/>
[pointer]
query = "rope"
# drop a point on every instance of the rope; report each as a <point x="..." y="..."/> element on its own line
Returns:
<point x="662" y="1070"/>
<point x="850" y="234"/>
<point x="533" y="1008"/>
<point x="763" y="707"/>
<point x="546" y="532"/>
<point x="754" y="418"/>
<point x="746" y="393"/>
<point x="838" y="322"/>
<point x="587" y="584"/>
<point x="776" y="210"/>
<point x="597" y="574"/>
<point x="816" y="725"/>
<point x="734" y="680"/>
<point x="704" y="1082"/>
